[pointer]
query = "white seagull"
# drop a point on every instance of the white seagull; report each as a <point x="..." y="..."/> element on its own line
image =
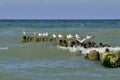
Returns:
<point x="84" y="39"/>
<point x="54" y="36"/>
<point x="81" y="41"/>
<point x="69" y="36"/>
<point x="77" y="36"/>
<point x="46" y="34"/>
<point x="89" y="37"/>
<point x="60" y="36"/>
<point x="40" y="34"/>
<point x="24" y="33"/>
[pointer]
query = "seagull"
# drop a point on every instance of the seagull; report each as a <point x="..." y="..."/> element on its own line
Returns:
<point x="24" y="33"/>
<point x="84" y="39"/>
<point x="77" y="36"/>
<point x="81" y="41"/>
<point x="69" y="36"/>
<point x="54" y="36"/>
<point x="89" y="37"/>
<point x="60" y="36"/>
<point x="46" y="34"/>
<point x="40" y="34"/>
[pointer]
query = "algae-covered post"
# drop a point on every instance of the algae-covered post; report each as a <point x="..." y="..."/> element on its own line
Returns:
<point x="105" y="59"/>
<point x="118" y="53"/>
<point x="115" y="62"/>
<point x="109" y="59"/>
<point x="93" y="55"/>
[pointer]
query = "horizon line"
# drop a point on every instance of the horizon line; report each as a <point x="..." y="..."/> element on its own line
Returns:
<point x="59" y="19"/>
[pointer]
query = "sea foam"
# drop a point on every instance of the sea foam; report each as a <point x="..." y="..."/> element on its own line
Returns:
<point x="3" y="48"/>
<point x="86" y="50"/>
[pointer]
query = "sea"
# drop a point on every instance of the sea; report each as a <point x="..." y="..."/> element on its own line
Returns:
<point x="49" y="61"/>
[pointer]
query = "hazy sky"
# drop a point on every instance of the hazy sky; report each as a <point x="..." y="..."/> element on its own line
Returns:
<point x="59" y="9"/>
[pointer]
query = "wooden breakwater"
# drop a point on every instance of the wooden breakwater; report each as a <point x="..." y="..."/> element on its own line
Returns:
<point x="64" y="41"/>
<point x="36" y="39"/>
<point x="108" y="58"/>
<point x="88" y="44"/>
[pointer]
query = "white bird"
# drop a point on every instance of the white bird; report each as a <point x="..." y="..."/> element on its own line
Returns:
<point x="60" y="36"/>
<point x="81" y="41"/>
<point x="54" y="36"/>
<point x="84" y="39"/>
<point x="24" y="33"/>
<point x="40" y="34"/>
<point x="89" y="37"/>
<point x="77" y="36"/>
<point x="46" y="34"/>
<point x="69" y="36"/>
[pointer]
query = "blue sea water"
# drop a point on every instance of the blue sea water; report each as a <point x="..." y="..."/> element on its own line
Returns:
<point x="48" y="61"/>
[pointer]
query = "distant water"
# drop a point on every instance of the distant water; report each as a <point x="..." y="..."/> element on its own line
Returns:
<point x="48" y="61"/>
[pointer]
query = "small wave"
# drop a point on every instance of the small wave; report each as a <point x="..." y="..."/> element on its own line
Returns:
<point x="86" y="50"/>
<point x="3" y="48"/>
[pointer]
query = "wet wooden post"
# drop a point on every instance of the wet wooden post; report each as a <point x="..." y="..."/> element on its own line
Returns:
<point x="70" y="43"/>
<point x="77" y="43"/>
<point x="64" y="43"/>
<point x="28" y="39"/>
<point x="60" y="42"/>
<point x="24" y="38"/>
<point x="34" y="37"/>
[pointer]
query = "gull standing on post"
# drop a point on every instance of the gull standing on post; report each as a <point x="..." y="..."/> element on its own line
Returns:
<point x="69" y="36"/>
<point x="54" y="36"/>
<point x="40" y="34"/>
<point x="24" y="33"/>
<point x="77" y="37"/>
<point x="60" y="36"/>
<point x="89" y="37"/>
<point x="46" y="34"/>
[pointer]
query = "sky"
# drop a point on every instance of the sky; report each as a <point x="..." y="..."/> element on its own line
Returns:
<point x="59" y="9"/>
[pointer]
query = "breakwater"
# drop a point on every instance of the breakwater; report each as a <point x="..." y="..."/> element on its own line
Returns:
<point x="108" y="58"/>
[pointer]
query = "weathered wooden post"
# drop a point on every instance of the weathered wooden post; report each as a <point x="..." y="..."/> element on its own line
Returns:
<point x="93" y="55"/>
<point x="64" y="43"/>
<point x="24" y="38"/>
<point x="60" y="42"/>
<point x="118" y="53"/>
<point x="70" y="43"/>
<point x="34" y="36"/>
<point x="105" y="59"/>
